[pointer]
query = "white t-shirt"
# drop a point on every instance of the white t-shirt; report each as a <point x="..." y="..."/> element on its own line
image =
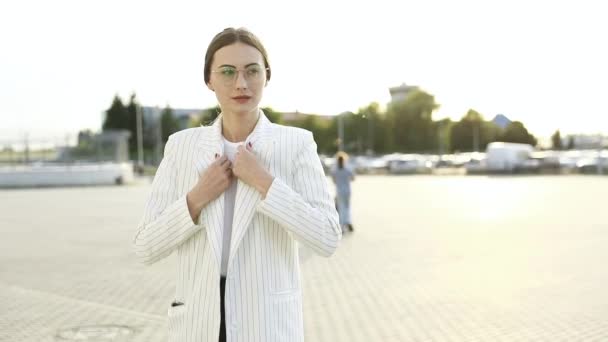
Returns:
<point x="229" y="199"/>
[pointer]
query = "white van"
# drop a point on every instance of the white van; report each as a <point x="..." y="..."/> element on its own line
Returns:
<point x="509" y="157"/>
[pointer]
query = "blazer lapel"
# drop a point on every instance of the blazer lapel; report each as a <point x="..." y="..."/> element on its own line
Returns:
<point x="247" y="197"/>
<point x="213" y="213"/>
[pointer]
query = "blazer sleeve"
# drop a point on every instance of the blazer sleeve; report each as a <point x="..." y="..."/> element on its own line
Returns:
<point x="166" y="222"/>
<point x="306" y="210"/>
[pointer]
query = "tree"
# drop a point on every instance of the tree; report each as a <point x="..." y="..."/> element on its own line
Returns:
<point x="86" y="145"/>
<point x="372" y="124"/>
<point x="119" y="116"/>
<point x="556" y="140"/>
<point x="116" y="116"/>
<point x="410" y="123"/>
<point x="571" y="144"/>
<point x="85" y="138"/>
<point x="207" y="116"/>
<point x="444" y="135"/>
<point x="472" y="132"/>
<point x="169" y="124"/>
<point x="354" y="132"/>
<point x="516" y="132"/>
<point x="131" y="113"/>
<point x="272" y="115"/>
<point x="323" y="130"/>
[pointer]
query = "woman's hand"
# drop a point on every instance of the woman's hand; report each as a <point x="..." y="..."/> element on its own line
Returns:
<point x="247" y="168"/>
<point x="211" y="183"/>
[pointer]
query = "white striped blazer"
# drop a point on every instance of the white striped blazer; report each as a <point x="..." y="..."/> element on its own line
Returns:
<point x="263" y="299"/>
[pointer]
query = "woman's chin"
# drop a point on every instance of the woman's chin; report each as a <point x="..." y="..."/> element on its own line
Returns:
<point x="242" y="110"/>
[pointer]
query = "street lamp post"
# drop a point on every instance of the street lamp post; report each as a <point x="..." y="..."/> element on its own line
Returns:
<point x="441" y="138"/>
<point x="600" y="161"/>
<point x="475" y="136"/>
<point x="370" y="135"/>
<point x="140" y="141"/>
<point x="340" y="132"/>
<point x="159" y="137"/>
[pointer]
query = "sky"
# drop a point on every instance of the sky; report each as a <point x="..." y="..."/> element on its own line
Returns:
<point x="540" y="62"/>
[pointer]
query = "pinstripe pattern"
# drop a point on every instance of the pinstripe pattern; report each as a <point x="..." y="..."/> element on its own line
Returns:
<point x="263" y="288"/>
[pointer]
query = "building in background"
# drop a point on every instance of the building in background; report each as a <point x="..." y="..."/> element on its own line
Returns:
<point x="289" y="117"/>
<point x="585" y="141"/>
<point x="400" y="93"/>
<point x="107" y="146"/>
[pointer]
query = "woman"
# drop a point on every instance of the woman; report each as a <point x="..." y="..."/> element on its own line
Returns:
<point x="342" y="176"/>
<point x="235" y="199"/>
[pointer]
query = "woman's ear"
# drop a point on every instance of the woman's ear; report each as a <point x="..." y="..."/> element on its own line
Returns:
<point x="210" y="87"/>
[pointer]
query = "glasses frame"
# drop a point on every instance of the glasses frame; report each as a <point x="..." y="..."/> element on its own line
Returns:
<point x="231" y="82"/>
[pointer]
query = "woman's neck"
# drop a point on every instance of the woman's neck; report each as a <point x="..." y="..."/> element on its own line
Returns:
<point x="237" y="127"/>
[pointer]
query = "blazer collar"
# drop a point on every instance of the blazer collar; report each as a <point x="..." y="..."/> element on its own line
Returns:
<point x="260" y="137"/>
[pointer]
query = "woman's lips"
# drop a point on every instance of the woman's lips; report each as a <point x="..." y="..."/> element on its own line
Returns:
<point x="241" y="99"/>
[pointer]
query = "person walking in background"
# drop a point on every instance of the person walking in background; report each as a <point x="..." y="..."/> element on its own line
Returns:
<point x="342" y="176"/>
<point x="235" y="200"/>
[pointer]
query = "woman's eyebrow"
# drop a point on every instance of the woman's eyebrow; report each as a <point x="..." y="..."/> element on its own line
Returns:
<point x="232" y="66"/>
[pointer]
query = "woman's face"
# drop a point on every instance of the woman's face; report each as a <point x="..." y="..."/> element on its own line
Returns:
<point x="238" y="78"/>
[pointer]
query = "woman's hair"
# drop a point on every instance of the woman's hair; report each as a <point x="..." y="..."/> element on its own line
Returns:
<point x="341" y="157"/>
<point x="228" y="37"/>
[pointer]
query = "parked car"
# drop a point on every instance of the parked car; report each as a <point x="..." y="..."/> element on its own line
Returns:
<point x="476" y="165"/>
<point x="593" y="165"/>
<point x="410" y="164"/>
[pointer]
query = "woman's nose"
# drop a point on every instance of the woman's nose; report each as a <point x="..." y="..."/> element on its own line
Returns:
<point x="241" y="82"/>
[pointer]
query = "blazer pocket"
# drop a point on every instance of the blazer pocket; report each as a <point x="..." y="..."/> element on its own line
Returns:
<point x="176" y="319"/>
<point x="285" y="294"/>
<point x="287" y="309"/>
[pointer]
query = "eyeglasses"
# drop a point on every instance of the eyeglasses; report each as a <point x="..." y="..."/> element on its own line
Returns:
<point x="254" y="74"/>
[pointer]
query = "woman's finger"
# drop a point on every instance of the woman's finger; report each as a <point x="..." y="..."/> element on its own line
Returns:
<point x="223" y="160"/>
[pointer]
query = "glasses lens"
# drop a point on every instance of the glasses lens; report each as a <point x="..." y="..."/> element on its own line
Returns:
<point x="228" y="74"/>
<point x="254" y="73"/>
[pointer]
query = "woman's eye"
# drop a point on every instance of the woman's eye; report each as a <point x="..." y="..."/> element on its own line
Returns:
<point x="228" y="71"/>
<point x="253" y="71"/>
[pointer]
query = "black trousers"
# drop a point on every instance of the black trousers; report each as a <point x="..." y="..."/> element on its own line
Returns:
<point x="223" y="312"/>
